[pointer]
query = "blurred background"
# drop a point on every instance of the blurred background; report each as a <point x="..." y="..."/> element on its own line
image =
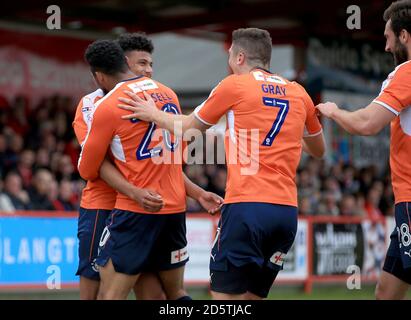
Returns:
<point x="347" y="195"/>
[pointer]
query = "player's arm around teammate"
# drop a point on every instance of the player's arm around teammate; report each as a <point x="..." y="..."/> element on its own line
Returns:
<point x="391" y="106"/>
<point x="150" y="200"/>
<point x="366" y="121"/>
<point x="145" y="109"/>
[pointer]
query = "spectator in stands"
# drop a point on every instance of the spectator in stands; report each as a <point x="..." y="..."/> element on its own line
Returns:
<point x="328" y="205"/>
<point x="371" y="204"/>
<point x="49" y="142"/>
<point x="66" y="200"/>
<point x="25" y="166"/>
<point x="336" y="171"/>
<point x="60" y="125"/>
<point x="14" y="149"/>
<point x="349" y="183"/>
<point x="65" y="168"/>
<point x="331" y="185"/>
<point x="313" y="167"/>
<point x="366" y="179"/>
<point x="39" y="191"/>
<point x="348" y="206"/>
<point x="305" y="184"/>
<point x="55" y="161"/>
<point x="42" y="159"/>
<point x="5" y="203"/>
<point x="13" y="197"/>
<point x="305" y="207"/>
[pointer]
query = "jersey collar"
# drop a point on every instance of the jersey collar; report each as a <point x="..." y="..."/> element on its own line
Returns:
<point x="133" y="78"/>
<point x="260" y="68"/>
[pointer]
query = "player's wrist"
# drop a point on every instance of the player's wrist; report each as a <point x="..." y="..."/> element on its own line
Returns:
<point x="134" y="193"/>
<point x="334" y="113"/>
<point x="200" y="193"/>
<point x="156" y="115"/>
<point x="195" y="192"/>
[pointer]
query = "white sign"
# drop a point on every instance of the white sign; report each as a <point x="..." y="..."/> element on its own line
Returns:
<point x="200" y="236"/>
<point x="296" y="261"/>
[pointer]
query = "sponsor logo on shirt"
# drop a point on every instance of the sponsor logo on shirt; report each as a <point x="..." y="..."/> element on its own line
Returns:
<point x="142" y="86"/>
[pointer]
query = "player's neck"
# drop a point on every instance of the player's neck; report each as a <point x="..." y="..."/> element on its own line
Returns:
<point x="246" y="69"/>
<point x="258" y="67"/>
<point x="125" y="76"/>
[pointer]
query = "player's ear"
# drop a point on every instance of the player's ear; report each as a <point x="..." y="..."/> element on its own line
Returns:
<point x="101" y="79"/>
<point x="404" y="36"/>
<point x="128" y="61"/>
<point x="240" y="58"/>
<point x="98" y="76"/>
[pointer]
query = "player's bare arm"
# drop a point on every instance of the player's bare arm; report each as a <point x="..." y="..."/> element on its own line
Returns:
<point x="208" y="200"/>
<point x="148" y="199"/>
<point x="314" y="145"/>
<point x="146" y="110"/>
<point x="366" y="121"/>
<point x="95" y="146"/>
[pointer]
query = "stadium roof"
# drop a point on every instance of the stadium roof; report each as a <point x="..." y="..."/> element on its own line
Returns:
<point x="289" y="22"/>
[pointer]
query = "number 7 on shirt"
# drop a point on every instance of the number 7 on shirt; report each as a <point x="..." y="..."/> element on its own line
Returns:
<point x="283" y="105"/>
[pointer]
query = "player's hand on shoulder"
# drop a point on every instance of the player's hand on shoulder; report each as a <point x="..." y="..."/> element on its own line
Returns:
<point x="143" y="109"/>
<point x="327" y="109"/>
<point x="211" y="202"/>
<point x="149" y="200"/>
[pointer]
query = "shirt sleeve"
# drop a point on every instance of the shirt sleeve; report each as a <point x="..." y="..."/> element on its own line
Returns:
<point x="97" y="141"/>
<point x="184" y="153"/>
<point x="312" y="123"/>
<point x="221" y="99"/>
<point x="79" y="126"/>
<point x="396" y="96"/>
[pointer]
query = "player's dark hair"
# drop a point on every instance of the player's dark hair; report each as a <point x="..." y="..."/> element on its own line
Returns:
<point x="106" y="56"/>
<point x="256" y="43"/>
<point x="135" y="41"/>
<point x="400" y="14"/>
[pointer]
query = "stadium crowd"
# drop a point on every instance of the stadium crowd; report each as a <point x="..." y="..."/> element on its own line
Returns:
<point x="39" y="152"/>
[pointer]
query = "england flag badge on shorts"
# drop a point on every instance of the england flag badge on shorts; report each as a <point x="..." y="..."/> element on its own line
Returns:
<point x="278" y="258"/>
<point x="179" y="255"/>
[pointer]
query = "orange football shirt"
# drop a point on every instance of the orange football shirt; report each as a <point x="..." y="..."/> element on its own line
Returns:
<point x="147" y="156"/>
<point x="97" y="194"/>
<point x="267" y="117"/>
<point x="396" y="97"/>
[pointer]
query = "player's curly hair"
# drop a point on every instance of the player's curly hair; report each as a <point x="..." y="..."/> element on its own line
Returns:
<point x="256" y="43"/>
<point x="400" y="14"/>
<point x="135" y="41"/>
<point x="106" y="56"/>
